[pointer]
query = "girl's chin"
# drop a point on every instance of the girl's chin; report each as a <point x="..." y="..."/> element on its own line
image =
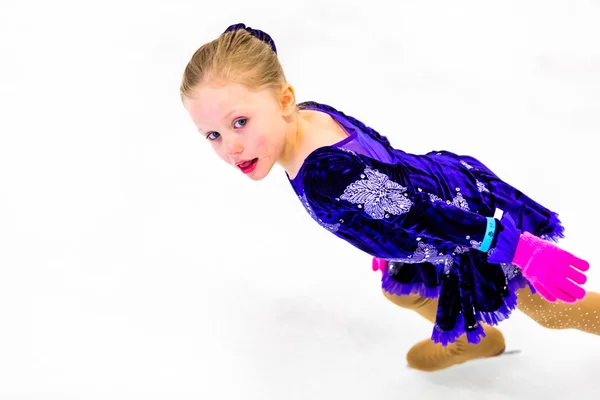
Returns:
<point x="260" y="170"/>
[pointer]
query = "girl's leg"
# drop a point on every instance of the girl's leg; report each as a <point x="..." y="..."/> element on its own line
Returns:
<point x="583" y="315"/>
<point x="425" y="307"/>
<point x="429" y="356"/>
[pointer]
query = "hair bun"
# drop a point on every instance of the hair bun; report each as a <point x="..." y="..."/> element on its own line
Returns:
<point x="254" y="32"/>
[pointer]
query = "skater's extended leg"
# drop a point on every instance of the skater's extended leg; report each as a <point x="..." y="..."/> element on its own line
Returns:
<point x="583" y="315"/>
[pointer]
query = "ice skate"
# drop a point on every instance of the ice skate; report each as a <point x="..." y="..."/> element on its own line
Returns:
<point x="429" y="356"/>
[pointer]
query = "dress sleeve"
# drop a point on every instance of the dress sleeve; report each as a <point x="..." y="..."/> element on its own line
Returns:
<point x="340" y="180"/>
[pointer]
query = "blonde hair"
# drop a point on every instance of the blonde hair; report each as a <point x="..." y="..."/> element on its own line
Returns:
<point x="239" y="55"/>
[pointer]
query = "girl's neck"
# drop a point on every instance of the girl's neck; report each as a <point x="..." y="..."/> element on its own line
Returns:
<point x="314" y="129"/>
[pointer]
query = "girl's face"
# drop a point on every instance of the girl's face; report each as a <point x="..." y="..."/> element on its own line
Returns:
<point x="247" y="129"/>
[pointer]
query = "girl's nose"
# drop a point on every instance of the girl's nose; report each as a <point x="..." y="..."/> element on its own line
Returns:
<point x="232" y="146"/>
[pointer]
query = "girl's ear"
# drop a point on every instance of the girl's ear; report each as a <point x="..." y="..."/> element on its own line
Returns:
<point x="287" y="99"/>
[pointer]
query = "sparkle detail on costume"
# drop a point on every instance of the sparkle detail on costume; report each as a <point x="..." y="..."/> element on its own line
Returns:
<point x="481" y="187"/>
<point x="458" y="200"/>
<point x="426" y="253"/>
<point x="433" y="197"/>
<point x="475" y="244"/>
<point x="378" y="195"/>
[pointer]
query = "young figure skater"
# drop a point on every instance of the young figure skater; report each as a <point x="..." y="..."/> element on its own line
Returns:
<point x="453" y="241"/>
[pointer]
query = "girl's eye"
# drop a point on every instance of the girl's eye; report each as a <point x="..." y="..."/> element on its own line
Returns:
<point x="212" y="135"/>
<point x="241" y="120"/>
<point x="240" y="123"/>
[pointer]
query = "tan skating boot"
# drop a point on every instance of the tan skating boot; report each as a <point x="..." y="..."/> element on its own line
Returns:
<point x="429" y="356"/>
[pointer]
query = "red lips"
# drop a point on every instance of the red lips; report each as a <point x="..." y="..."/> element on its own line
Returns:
<point x="247" y="166"/>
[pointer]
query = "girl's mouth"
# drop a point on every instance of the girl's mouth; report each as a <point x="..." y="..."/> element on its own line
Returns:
<point x="248" y="166"/>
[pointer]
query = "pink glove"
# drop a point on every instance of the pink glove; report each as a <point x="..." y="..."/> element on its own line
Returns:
<point x="550" y="269"/>
<point x="379" y="264"/>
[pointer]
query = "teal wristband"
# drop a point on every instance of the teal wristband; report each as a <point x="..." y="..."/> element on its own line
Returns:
<point x="489" y="234"/>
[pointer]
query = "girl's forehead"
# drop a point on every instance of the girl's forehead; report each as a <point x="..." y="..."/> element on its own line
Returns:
<point x="222" y="99"/>
<point x="220" y="96"/>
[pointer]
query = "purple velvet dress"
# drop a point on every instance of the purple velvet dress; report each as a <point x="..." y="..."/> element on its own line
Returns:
<point x="426" y="214"/>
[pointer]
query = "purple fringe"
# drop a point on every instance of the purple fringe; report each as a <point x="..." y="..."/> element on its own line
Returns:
<point x="446" y="337"/>
<point x="508" y="240"/>
<point x="403" y="289"/>
<point x="510" y="303"/>
<point x="558" y="230"/>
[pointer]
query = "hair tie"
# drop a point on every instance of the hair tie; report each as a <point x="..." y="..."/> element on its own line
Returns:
<point x="254" y="32"/>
